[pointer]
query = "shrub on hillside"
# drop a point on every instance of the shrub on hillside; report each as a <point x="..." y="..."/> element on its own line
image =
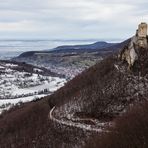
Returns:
<point x="130" y="130"/>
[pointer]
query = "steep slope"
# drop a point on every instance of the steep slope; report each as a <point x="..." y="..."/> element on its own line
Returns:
<point x="85" y="107"/>
<point x="80" y="97"/>
<point x="25" y="126"/>
<point x="117" y="83"/>
<point x="129" y="130"/>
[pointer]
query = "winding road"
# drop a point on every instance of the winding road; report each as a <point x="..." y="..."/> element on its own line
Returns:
<point x="77" y="124"/>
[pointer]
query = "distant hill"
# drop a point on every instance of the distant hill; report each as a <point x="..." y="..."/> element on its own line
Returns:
<point x="96" y="47"/>
<point x="24" y="67"/>
<point x="84" y="48"/>
<point x="71" y="60"/>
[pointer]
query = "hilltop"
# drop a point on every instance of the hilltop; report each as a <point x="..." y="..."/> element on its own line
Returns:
<point x="72" y="48"/>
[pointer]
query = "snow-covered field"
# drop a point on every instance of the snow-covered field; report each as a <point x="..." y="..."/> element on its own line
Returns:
<point x="20" y="86"/>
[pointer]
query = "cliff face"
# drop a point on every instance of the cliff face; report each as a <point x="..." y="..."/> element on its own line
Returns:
<point x="105" y="91"/>
<point x="135" y="53"/>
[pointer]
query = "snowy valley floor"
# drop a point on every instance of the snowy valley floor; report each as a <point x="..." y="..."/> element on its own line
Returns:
<point x="19" y="84"/>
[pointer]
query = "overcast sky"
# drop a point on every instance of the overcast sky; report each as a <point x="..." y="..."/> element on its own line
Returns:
<point x="71" y="19"/>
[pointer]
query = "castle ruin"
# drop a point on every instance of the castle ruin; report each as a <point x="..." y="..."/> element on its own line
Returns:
<point x="142" y="30"/>
<point x="138" y="42"/>
<point x="142" y="36"/>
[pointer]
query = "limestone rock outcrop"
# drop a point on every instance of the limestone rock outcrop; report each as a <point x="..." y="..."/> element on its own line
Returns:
<point x="137" y="48"/>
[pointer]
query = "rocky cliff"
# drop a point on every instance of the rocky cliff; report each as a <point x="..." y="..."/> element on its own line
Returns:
<point x="135" y="53"/>
<point x="86" y="106"/>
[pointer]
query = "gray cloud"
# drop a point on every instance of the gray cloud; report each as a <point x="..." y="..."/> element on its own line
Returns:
<point x="67" y="19"/>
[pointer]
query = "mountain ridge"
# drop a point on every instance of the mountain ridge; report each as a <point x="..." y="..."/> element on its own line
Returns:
<point x="93" y="99"/>
<point x="73" y="48"/>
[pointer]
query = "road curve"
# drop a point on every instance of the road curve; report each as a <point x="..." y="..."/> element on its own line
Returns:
<point x="73" y="124"/>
